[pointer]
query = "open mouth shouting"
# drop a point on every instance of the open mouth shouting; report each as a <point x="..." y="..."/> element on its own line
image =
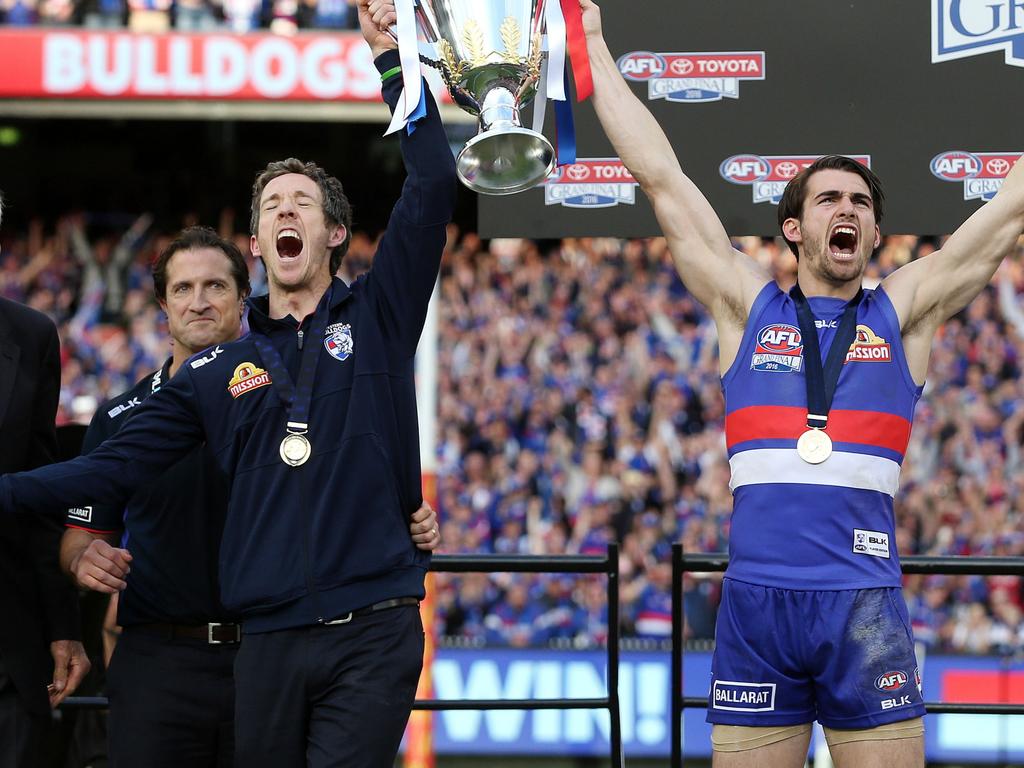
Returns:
<point x="843" y="240"/>
<point x="289" y="244"/>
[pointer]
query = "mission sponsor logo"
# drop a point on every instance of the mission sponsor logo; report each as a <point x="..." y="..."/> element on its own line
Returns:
<point x="894" y="680"/>
<point x="868" y="347"/>
<point x="768" y="175"/>
<point x="597" y="182"/>
<point x="247" y="377"/>
<point x="778" y="348"/>
<point x="743" y="697"/>
<point x="692" y="78"/>
<point x="981" y="173"/>
<point x="962" y="28"/>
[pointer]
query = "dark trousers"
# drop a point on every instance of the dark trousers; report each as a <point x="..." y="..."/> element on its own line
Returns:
<point x="22" y="733"/>
<point x="326" y="696"/>
<point x="171" y="702"/>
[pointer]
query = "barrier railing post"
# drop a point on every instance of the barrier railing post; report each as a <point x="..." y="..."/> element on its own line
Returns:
<point x="676" y="667"/>
<point x="613" y="655"/>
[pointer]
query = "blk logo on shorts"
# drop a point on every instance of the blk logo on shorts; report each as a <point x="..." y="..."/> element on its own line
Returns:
<point x="743" y="697"/>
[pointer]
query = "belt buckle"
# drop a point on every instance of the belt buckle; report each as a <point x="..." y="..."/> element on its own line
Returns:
<point x="343" y="620"/>
<point x="213" y="641"/>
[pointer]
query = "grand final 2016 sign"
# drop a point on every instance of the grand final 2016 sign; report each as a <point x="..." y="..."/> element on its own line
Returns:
<point x="751" y="91"/>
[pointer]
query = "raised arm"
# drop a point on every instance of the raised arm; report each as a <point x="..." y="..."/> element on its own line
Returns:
<point x="721" y="278"/>
<point x="929" y="291"/>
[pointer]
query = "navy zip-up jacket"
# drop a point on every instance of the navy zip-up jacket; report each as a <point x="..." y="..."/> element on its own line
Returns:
<point x="304" y="544"/>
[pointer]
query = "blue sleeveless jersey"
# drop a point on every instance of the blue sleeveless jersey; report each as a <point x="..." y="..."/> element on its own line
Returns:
<point x="827" y="526"/>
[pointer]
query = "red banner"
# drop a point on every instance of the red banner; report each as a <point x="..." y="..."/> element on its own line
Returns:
<point x="116" y="65"/>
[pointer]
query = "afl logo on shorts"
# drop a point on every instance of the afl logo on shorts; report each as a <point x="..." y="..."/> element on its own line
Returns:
<point x="779" y="347"/>
<point x="338" y="341"/>
<point x="891" y="681"/>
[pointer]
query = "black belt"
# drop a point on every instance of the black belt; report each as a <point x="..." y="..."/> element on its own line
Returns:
<point x="214" y="633"/>
<point x="383" y="605"/>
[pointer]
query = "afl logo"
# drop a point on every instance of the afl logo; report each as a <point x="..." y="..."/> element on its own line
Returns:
<point x="955" y="166"/>
<point x="891" y="681"/>
<point x="744" y="169"/>
<point x="780" y="339"/>
<point x="641" y="65"/>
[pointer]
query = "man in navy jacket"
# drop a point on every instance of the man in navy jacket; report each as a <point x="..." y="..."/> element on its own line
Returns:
<point x="312" y="420"/>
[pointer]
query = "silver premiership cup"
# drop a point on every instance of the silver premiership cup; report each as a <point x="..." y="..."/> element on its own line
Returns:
<point x="490" y="59"/>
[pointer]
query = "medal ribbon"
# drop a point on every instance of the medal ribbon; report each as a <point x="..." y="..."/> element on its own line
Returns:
<point x="297" y="397"/>
<point x="821" y="380"/>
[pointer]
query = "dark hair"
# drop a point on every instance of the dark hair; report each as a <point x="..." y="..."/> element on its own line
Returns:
<point x="792" y="204"/>
<point x="193" y="238"/>
<point x="336" y="207"/>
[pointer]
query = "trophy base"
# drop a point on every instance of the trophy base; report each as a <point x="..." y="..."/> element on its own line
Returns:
<point x="505" y="161"/>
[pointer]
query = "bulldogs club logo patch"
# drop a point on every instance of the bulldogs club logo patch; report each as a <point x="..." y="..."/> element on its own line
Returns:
<point x="338" y="341"/>
<point x="981" y="173"/>
<point x="591" y="183"/>
<point x="692" y="78"/>
<point x="779" y="348"/>
<point x="247" y="377"/>
<point x="768" y="175"/>
<point x="868" y="347"/>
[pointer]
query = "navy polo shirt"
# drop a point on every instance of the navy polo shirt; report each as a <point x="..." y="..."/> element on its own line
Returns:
<point x="172" y="527"/>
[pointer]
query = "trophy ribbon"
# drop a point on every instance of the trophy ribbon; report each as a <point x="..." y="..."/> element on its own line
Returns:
<point x="554" y="82"/>
<point x="412" y="81"/>
<point x="577" y="41"/>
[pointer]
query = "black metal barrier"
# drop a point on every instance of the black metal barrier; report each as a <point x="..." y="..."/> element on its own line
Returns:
<point x="915" y="564"/>
<point x="517" y="564"/>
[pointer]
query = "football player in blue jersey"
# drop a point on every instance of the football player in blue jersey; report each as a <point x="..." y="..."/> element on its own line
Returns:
<point x="820" y="386"/>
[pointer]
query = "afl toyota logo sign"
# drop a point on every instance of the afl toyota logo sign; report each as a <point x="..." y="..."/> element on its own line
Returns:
<point x="981" y="173"/>
<point x="591" y="183"/>
<point x="692" y="77"/>
<point x="769" y="174"/>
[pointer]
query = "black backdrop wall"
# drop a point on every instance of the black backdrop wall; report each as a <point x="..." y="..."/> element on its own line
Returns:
<point x="902" y="82"/>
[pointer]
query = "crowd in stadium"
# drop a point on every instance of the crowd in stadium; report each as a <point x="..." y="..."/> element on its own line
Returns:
<point x="278" y="16"/>
<point x="580" y="405"/>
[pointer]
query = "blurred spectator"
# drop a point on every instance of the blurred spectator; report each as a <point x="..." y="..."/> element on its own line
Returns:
<point x="241" y="16"/>
<point x="149" y="16"/>
<point x="193" y="16"/>
<point x="18" y="13"/>
<point x="104" y="14"/>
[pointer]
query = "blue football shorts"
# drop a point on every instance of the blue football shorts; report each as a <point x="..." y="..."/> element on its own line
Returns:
<point x="784" y="657"/>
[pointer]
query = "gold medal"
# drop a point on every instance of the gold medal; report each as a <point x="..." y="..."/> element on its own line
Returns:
<point x="295" y="450"/>
<point x="814" y="446"/>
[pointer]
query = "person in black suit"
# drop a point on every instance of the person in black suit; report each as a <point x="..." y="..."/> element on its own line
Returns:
<point x="41" y="658"/>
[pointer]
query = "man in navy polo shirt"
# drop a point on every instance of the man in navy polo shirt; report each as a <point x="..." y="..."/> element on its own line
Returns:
<point x="311" y="418"/>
